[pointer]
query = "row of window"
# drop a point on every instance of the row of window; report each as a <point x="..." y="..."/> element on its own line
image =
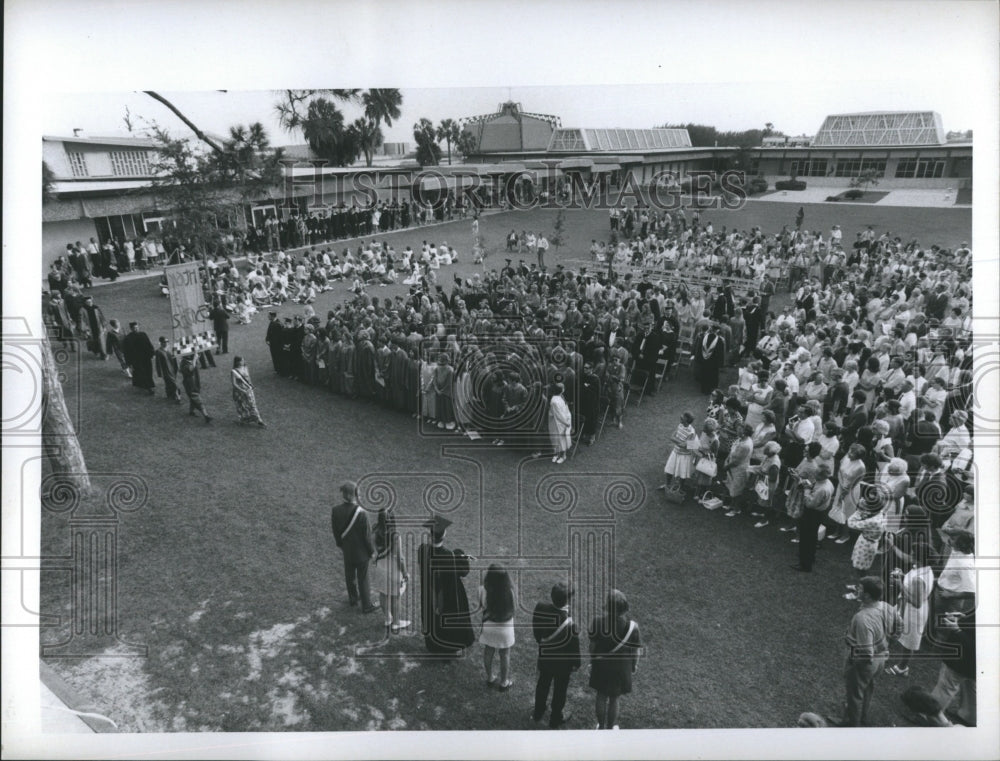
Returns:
<point x="905" y="168"/>
<point x="920" y="168"/>
<point x="123" y="163"/>
<point x="855" y="167"/>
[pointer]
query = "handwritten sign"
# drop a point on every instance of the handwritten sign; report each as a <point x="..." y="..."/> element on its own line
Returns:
<point x="189" y="314"/>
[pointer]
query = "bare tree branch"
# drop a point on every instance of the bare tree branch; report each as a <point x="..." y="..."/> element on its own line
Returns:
<point x="191" y="125"/>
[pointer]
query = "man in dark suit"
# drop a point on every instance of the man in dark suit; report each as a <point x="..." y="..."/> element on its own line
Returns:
<point x="166" y="368"/>
<point x="220" y="322"/>
<point x="352" y="533"/>
<point x="646" y="349"/>
<point x="558" y="639"/>
<point x="192" y="385"/>
<point x="855" y="420"/>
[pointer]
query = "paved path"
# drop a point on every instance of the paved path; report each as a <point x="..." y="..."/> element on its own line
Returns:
<point x="921" y="197"/>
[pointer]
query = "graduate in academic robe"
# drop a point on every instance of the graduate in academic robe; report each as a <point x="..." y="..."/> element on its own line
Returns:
<point x="590" y="402"/>
<point x="97" y="327"/>
<point x="413" y="382"/>
<point x="335" y="361"/>
<point x="58" y="317"/>
<point x="139" y="351"/>
<point x="709" y="356"/>
<point x="348" y="367"/>
<point x="273" y="339"/>
<point x="383" y="360"/>
<point x="166" y="368"/>
<point x="399" y="380"/>
<point x="365" y="366"/>
<point x="444" y="605"/>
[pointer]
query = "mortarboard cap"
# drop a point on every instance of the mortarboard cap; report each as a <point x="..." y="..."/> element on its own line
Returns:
<point x="438" y="524"/>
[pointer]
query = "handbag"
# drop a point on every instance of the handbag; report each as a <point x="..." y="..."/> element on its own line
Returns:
<point x="709" y="501"/>
<point x="675" y="493"/>
<point x="762" y="490"/>
<point x="707" y="466"/>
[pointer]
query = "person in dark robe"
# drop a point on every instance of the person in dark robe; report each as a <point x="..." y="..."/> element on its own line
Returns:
<point x="590" y="402"/>
<point x="753" y="316"/>
<point x="399" y="380"/>
<point x="365" y="366"/>
<point x="273" y="339"/>
<point x="348" y="368"/>
<point x="709" y="356"/>
<point x="383" y="380"/>
<point x="494" y="401"/>
<point x="444" y="604"/>
<point x="139" y="351"/>
<point x="413" y="382"/>
<point x="58" y="317"/>
<point x="293" y="344"/>
<point x="97" y="328"/>
<point x="82" y="267"/>
<point x="166" y="368"/>
<point x="336" y="364"/>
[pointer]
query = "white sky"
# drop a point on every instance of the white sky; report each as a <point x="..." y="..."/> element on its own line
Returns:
<point x="629" y="64"/>
<point x="725" y="105"/>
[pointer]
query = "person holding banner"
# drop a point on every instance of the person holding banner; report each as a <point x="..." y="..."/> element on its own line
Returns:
<point x="191" y="380"/>
<point x="352" y="533"/>
<point x="246" y="403"/>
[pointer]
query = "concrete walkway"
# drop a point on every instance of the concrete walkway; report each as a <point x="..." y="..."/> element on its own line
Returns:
<point x="921" y="197"/>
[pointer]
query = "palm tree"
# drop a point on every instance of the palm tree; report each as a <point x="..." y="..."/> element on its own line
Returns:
<point x="324" y="129"/>
<point x="368" y="135"/>
<point x="449" y="131"/>
<point x="289" y="115"/>
<point x="428" y="151"/>
<point x="382" y="105"/>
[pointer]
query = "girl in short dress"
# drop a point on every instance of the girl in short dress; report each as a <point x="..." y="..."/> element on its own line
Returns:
<point x="680" y="463"/>
<point x="387" y="573"/>
<point x="496" y="601"/>
<point x="614" y="656"/>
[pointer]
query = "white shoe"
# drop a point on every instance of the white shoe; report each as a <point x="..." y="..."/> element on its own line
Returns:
<point x="560" y="460"/>
<point x="555" y="458"/>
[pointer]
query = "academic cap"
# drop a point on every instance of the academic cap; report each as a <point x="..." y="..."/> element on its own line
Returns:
<point x="438" y="524"/>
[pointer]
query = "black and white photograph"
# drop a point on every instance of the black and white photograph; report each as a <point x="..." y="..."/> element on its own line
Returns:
<point x="557" y="380"/>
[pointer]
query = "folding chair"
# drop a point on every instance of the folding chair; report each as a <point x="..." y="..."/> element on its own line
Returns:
<point x="662" y="367"/>
<point x="637" y="381"/>
<point x="579" y="436"/>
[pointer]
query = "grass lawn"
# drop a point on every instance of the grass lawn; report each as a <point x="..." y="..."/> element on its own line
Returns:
<point x="230" y="577"/>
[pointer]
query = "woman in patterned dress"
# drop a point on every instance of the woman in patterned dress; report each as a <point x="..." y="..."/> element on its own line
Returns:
<point x="246" y="403"/>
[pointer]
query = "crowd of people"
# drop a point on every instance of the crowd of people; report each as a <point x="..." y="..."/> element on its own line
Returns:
<point x="848" y="414"/>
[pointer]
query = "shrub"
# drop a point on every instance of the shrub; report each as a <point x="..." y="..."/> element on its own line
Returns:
<point x="790" y="185"/>
<point x="833" y="198"/>
<point x="853" y="194"/>
<point x="758" y="185"/>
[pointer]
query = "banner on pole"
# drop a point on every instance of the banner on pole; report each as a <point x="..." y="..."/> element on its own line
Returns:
<point x="189" y="314"/>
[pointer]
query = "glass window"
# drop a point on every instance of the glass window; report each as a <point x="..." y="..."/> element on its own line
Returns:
<point x="77" y="164"/>
<point x="130" y="163"/>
